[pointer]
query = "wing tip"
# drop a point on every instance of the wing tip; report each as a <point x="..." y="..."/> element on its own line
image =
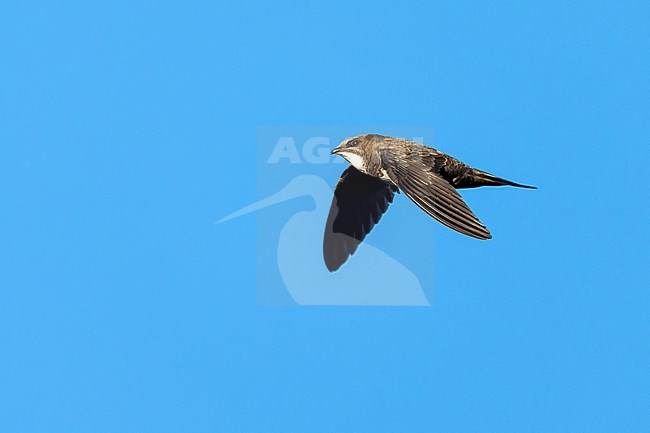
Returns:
<point x="481" y="236"/>
<point x="334" y="257"/>
<point x="484" y="234"/>
<point x="332" y="267"/>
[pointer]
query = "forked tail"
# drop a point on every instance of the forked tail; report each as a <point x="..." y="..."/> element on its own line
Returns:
<point x="476" y="178"/>
<point x="488" y="179"/>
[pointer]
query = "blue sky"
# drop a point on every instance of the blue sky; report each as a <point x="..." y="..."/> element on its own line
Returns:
<point x="129" y="128"/>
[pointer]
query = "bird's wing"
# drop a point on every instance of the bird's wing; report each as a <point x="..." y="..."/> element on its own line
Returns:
<point x="359" y="202"/>
<point x="419" y="179"/>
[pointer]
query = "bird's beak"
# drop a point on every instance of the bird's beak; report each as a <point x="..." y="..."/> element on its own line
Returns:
<point x="336" y="150"/>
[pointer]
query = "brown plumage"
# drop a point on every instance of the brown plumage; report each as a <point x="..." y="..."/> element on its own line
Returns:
<point x="381" y="166"/>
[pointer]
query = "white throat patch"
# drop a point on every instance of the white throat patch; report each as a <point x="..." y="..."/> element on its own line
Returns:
<point x="355" y="160"/>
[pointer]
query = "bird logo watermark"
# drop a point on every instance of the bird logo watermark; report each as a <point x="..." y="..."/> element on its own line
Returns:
<point x="296" y="174"/>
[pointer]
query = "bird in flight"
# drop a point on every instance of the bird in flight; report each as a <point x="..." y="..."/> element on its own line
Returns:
<point x="379" y="167"/>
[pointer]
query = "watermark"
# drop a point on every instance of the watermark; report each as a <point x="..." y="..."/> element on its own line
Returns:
<point x="296" y="175"/>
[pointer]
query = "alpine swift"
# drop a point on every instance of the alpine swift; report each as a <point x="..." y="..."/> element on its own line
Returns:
<point x="380" y="167"/>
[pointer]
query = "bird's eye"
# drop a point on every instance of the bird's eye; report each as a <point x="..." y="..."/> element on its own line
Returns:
<point x="353" y="143"/>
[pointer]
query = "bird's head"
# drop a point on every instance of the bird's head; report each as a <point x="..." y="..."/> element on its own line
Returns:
<point x="353" y="148"/>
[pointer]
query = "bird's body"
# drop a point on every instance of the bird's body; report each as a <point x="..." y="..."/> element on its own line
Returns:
<point x="381" y="166"/>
